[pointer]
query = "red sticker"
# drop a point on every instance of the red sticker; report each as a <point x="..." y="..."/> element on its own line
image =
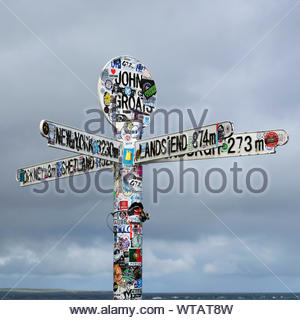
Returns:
<point x="135" y="229"/>
<point x="139" y="171"/>
<point x="271" y="139"/>
<point x="113" y="71"/>
<point x="135" y="255"/>
<point x="123" y="205"/>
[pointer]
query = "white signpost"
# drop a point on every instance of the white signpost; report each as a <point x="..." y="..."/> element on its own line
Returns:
<point x="78" y="141"/>
<point x="180" y="143"/>
<point x="127" y="96"/>
<point x="61" y="168"/>
<point x="239" y="144"/>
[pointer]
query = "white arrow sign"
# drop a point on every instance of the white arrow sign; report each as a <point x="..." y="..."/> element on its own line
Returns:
<point x="61" y="168"/>
<point x="74" y="140"/>
<point x="239" y="144"/>
<point x="184" y="142"/>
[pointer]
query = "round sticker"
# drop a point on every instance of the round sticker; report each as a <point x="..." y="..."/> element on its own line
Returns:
<point x="271" y="139"/>
<point x="126" y="91"/>
<point x="45" y="128"/>
<point x="108" y="84"/>
<point x="224" y="147"/>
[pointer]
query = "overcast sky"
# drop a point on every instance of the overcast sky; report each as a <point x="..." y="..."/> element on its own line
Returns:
<point x="238" y="59"/>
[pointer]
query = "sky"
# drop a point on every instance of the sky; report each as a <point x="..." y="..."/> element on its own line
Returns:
<point x="237" y="59"/>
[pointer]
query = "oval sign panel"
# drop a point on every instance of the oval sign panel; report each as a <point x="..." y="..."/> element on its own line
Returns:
<point x="126" y="91"/>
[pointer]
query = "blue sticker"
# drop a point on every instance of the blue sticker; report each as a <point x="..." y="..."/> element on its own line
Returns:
<point x="139" y="282"/>
<point x="59" y="169"/>
<point x="139" y="67"/>
<point x="128" y="156"/>
<point x="116" y="63"/>
<point x="146" y="120"/>
<point x="127" y="91"/>
<point x="21" y="176"/>
<point x="98" y="164"/>
<point x="108" y="84"/>
<point x="95" y="146"/>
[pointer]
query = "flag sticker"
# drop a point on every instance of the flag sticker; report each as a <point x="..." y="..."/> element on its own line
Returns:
<point x="135" y="255"/>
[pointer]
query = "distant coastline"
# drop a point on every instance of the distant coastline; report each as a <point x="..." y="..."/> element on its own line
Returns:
<point x="62" y="294"/>
<point x="46" y="290"/>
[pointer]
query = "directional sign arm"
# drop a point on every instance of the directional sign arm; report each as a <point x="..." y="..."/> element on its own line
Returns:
<point x="239" y="144"/>
<point x="78" y="141"/>
<point x="61" y="168"/>
<point x="180" y="143"/>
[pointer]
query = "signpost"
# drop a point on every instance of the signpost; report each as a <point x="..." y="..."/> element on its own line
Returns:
<point x="240" y="144"/>
<point x="127" y="96"/>
<point x="180" y="143"/>
<point x="61" y="168"/>
<point x="75" y="140"/>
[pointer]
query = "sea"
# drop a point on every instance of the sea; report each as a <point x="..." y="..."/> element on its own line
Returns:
<point x="31" y="294"/>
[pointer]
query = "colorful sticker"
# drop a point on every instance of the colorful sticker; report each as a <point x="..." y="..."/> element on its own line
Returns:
<point x="126" y="91"/>
<point x="123" y="205"/>
<point x="128" y="156"/>
<point x="135" y="256"/>
<point x="271" y="139"/>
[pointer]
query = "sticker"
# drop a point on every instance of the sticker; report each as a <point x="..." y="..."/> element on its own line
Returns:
<point x="108" y="84"/>
<point x="121" y="258"/>
<point x="136" y="197"/>
<point x="123" y="215"/>
<point x="59" y="169"/>
<point x="123" y="228"/>
<point x="139" y="283"/>
<point x="271" y="139"/>
<point x="52" y="134"/>
<point x="127" y="91"/>
<point x="117" y="273"/>
<point x="107" y="98"/>
<point x="132" y="183"/>
<point x="135" y="256"/>
<point x="135" y="229"/>
<point x="116" y="63"/>
<point x="127" y="137"/>
<point x="220" y="133"/>
<point x="20" y="175"/>
<point x="104" y="74"/>
<point x="123" y="241"/>
<point x="139" y="171"/>
<point x="128" y="156"/>
<point x="137" y="272"/>
<point x="115" y="286"/>
<point x="150" y="92"/>
<point x="134" y="219"/>
<point x="45" y="128"/>
<point x="146" y="121"/>
<point x="123" y="205"/>
<point x="129" y="273"/>
<point x="139" y="67"/>
<point x="224" y="147"/>
<point x="135" y="293"/>
<point x="137" y="241"/>
<point x="135" y="184"/>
